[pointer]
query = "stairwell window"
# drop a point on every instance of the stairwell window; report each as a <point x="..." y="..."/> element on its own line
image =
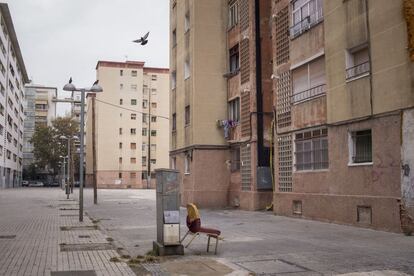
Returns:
<point x="187" y="72"/>
<point x="187" y="115"/>
<point x="233" y="14"/>
<point x="311" y="150"/>
<point x="360" y="147"/>
<point x="187" y="162"/>
<point x="234" y="59"/>
<point x="173" y="80"/>
<point x="357" y="63"/>
<point x="187" y="22"/>
<point x="174" y="122"/>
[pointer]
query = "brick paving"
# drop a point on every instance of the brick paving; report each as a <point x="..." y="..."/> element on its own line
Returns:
<point x="35" y="216"/>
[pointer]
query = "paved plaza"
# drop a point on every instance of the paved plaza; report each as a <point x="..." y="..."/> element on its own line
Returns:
<point x="40" y="235"/>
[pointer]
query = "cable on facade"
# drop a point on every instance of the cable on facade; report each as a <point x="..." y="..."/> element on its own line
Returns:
<point x="132" y="110"/>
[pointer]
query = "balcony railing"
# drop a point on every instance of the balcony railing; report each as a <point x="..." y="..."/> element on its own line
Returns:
<point x="306" y="23"/>
<point x="358" y="70"/>
<point x="308" y="94"/>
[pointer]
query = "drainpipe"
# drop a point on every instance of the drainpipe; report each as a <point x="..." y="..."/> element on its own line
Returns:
<point x="261" y="158"/>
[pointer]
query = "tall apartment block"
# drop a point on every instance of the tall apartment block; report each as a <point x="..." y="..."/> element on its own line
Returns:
<point x="131" y="124"/>
<point x="40" y="109"/>
<point x="13" y="77"/>
<point x="221" y="101"/>
<point x="343" y="89"/>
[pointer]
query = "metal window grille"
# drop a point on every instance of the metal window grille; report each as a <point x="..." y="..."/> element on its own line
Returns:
<point x="312" y="150"/>
<point x="362" y="146"/>
<point x="284" y="92"/>
<point x="358" y="70"/>
<point x="245" y="170"/>
<point x="285" y="163"/>
<point x="309" y="94"/>
<point x="282" y="36"/>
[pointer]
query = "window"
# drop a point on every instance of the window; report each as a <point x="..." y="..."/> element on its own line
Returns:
<point x="133" y="102"/>
<point x="234" y="59"/>
<point x="309" y="81"/>
<point x="311" y="150"/>
<point x="143" y="146"/>
<point x="144" y="160"/>
<point x="357" y="62"/>
<point x="120" y="175"/>
<point x="233" y="14"/>
<point x="144" y="132"/>
<point x="360" y="147"/>
<point x="174" y="38"/>
<point x="187" y="115"/>
<point x="154" y="119"/>
<point x="120" y="101"/>
<point x="153" y="133"/>
<point x="120" y="130"/>
<point x="133" y="145"/>
<point x="235" y="159"/>
<point x="153" y="91"/>
<point x="120" y="160"/>
<point x="187" y="22"/>
<point x="153" y="147"/>
<point x="153" y="161"/>
<point x="173" y="80"/>
<point x="187" y="69"/>
<point x="154" y="77"/>
<point x="1" y="109"/>
<point x="144" y="118"/>
<point x="234" y="110"/>
<point x="120" y="145"/>
<point x="133" y="160"/>
<point x="154" y="105"/>
<point x="187" y="162"/>
<point x="121" y="86"/>
<point x="144" y="103"/>
<point x="174" y="122"/>
<point x="134" y="73"/>
<point x="132" y="175"/>
<point x="174" y="163"/>
<point x="133" y="131"/>
<point x="305" y="14"/>
<point x="133" y="116"/>
<point x="121" y="72"/>
<point x="8" y="154"/>
<point x="134" y="87"/>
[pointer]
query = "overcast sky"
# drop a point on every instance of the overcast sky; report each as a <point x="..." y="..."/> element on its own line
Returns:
<point x="65" y="38"/>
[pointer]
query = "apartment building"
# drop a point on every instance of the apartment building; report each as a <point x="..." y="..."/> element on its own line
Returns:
<point x="342" y="80"/>
<point x="13" y="77"/>
<point x="39" y="109"/>
<point x="131" y="124"/>
<point x="221" y="101"/>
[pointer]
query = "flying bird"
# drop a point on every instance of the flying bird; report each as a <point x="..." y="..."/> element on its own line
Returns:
<point x="95" y="83"/>
<point x="143" y="40"/>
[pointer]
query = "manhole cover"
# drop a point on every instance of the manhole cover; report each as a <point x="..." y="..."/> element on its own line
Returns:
<point x="85" y="247"/>
<point x="84" y="236"/>
<point x="68" y="209"/>
<point x="70" y="215"/>
<point x="7" y="237"/>
<point x="262" y="267"/>
<point x="79" y="227"/>
<point x="73" y="273"/>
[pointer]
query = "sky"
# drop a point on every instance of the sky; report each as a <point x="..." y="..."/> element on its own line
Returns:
<point x="60" y="39"/>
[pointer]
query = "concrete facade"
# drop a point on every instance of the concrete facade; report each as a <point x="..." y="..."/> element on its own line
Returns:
<point x="214" y="81"/>
<point x="13" y="77"/>
<point x="40" y="109"/>
<point x="343" y="154"/>
<point x="131" y="91"/>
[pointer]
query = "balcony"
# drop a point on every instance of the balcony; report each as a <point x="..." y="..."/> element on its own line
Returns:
<point x="308" y="94"/>
<point x="306" y="24"/>
<point x="359" y="70"/>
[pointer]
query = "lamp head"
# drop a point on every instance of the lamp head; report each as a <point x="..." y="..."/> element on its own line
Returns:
<point x="69" y="87"/>
<point x="96" y="88"/>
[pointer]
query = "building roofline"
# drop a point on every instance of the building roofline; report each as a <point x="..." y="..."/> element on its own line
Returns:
<point x="39" y="86"/>
<point x="13" y="37"/>
<point x="118" y="64"/>
<point x="157" y="70"/>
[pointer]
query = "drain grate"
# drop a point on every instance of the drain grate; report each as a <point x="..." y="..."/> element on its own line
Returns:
<point x="70" y="215"/>
<point x="79" y="227"/>
<point x="85" y="247"/>
<point x="7" y="237"/>
<point x="84" y="236"/>
<point x="273" y="266"/>
<point x="69" y="209"/>
<point x="73" y="273"/>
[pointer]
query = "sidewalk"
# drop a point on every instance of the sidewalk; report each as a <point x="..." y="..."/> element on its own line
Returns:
<point x="40" y="234"/>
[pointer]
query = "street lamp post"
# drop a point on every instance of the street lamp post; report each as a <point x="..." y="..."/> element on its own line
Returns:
<point x="94" y="89"/>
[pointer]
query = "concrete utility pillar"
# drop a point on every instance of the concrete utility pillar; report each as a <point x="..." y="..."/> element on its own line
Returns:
<point x="168" y="213"/>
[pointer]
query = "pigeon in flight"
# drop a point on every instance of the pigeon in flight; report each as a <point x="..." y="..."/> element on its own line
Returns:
<point x="95" y="83"/>
<point x="143" y="40"/>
